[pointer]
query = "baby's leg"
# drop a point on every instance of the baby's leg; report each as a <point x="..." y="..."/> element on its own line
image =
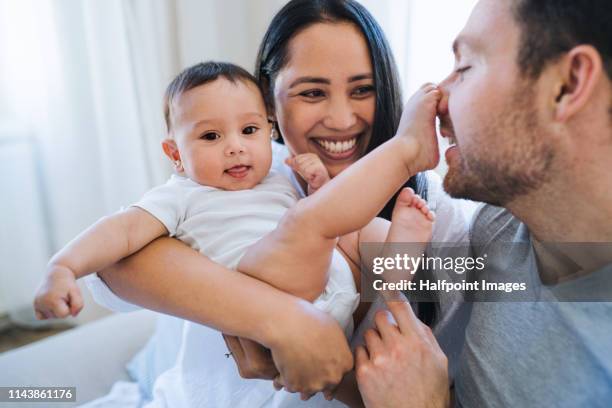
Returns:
<point x="291" y="259"/>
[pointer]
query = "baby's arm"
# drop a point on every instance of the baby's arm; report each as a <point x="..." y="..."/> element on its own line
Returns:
<point x="101" y="245"/>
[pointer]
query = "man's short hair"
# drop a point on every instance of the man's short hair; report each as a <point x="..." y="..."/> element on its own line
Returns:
<point x="553" y="27"/>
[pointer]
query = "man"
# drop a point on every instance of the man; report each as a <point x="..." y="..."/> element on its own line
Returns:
<point x="530" y="107"/>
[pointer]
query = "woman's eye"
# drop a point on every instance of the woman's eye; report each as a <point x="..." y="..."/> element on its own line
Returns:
<point x="210" y="136"/>
<point x="364" y="90"/>
<point x="249" y="130"/>
<point x="313" y="93"/>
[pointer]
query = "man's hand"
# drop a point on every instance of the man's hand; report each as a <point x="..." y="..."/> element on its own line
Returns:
<point x="253" y="359"/>
<point x="401" y="365"/>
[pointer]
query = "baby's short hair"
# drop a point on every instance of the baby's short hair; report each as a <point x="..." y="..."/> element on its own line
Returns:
<point x="201" y="74"/>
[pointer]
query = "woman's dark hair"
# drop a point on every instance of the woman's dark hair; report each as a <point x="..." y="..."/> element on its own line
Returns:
<point x="298" y="15"/>
<point x="200" y="74"/>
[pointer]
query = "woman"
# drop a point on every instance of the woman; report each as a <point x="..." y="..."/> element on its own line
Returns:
<point x="331" y="84"/>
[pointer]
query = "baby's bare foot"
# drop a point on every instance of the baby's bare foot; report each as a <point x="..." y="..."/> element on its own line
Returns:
<point x="310" y="167"/>
<point x="412" y="220"/>
<point x="411" y="226"/>
<point x="417" y="128"/>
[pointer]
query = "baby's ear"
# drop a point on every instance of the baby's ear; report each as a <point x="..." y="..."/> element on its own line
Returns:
<point x="171" y="150"/>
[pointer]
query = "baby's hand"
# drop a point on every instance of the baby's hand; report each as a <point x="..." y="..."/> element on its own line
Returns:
<point x="418" y="126"/>
<point x="311" y="168"/>
<point x="58" y="296"/>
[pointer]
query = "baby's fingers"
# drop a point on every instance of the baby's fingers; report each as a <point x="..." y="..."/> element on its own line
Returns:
<point x="53" y="310"/>
<point x="61" y="309"/>
<point x="278" y="383"/>
<point x="289" y="161"/>
<point x="75" y="300"/>
<point x="296" y="166"/>
<point x="43" y="307"/>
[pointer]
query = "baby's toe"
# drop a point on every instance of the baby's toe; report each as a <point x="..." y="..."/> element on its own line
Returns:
<point x="431" y="215"/>
<point x="406" y="197"/>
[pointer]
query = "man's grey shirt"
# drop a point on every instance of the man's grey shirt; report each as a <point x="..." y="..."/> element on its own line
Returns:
<point x="544" y="353"/>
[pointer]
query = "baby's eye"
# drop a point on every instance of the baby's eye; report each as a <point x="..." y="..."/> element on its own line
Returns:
<point x="363" y="91"/>
<point x="210" y="136"/>
<point x="313" y="93"/>
<point x="249" y="130"/>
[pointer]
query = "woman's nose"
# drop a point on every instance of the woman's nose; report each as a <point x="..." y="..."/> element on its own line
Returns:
<point x="340" y="115"/>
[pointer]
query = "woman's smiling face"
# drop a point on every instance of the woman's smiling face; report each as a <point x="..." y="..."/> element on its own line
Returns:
<point x="324" y="95"/>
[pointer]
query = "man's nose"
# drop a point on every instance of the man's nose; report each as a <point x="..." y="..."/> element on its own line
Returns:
<point x="341" y="115"/>
<point x="234" y="146"/>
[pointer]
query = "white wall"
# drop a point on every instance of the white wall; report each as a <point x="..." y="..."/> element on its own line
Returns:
<point x="420" y="32"/>
<point x="227" y="30"/>
<point x="432" y="27"/>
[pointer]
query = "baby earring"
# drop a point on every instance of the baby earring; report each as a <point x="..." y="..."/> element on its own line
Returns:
<point x="178" y="165"/>
<point x="274" y="134"/>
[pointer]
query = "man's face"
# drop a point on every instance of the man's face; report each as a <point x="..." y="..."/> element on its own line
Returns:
<point x="491" y="111"/>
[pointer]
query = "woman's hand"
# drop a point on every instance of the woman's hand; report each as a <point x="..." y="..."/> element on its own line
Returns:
<point x="402" y="366"/>
<point x="310" y="351"/>
<point x="253" y="359"/>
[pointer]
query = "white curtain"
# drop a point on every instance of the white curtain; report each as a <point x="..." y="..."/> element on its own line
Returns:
<point x="82" y="81"/>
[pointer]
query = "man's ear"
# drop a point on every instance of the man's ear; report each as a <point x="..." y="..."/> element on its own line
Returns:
<point x="581" y="69"/>
<point x="171" y="150"/>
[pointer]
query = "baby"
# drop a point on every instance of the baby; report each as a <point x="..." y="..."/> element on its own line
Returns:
<point x="226" y="202"/>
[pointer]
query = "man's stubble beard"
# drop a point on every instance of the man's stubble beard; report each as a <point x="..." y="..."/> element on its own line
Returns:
<point x="511" y="158"/>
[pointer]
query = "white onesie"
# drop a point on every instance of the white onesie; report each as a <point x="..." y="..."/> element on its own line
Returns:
<point x="222" y="225"/>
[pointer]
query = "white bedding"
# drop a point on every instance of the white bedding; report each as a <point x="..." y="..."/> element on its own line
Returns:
<point x="123" y="395"/>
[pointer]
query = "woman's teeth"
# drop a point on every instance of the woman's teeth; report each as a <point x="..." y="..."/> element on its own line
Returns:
<point x="337" y="147"/>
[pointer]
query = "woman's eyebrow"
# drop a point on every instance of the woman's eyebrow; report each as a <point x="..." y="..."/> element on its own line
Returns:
<point x="359" y="77"/>
<point x="321" y="80"/>
<point x="309" y="79"/>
